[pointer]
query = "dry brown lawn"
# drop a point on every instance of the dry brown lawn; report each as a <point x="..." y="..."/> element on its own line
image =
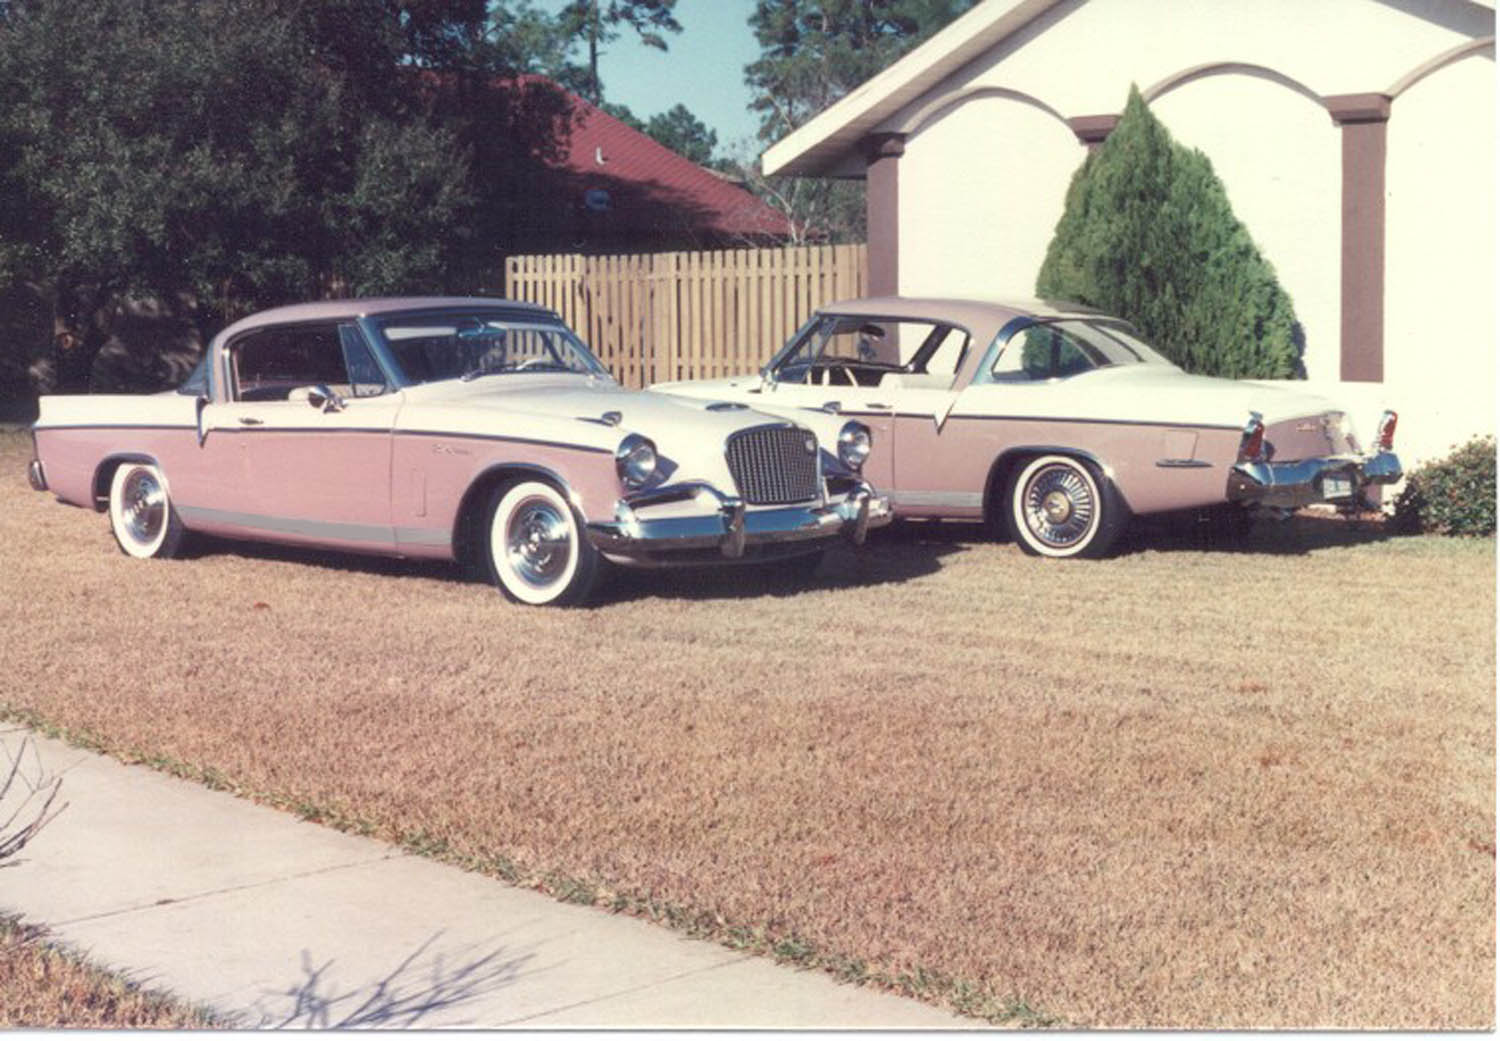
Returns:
<point x="1185" y="787"/>
<point x="44" y="986"/>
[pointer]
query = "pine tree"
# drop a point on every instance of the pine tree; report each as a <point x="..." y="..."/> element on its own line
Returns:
<point x="1148" y="233"/>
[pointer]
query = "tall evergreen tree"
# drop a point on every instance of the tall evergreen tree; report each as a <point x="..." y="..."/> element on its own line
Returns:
<point x="1148" y="233"/>
<point x="813" y="52"/>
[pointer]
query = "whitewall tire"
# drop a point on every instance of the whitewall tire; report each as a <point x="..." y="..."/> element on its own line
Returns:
<point x="141" y="515"/>
<point x="535" y="546"/>
<point x="1059" y="506"/>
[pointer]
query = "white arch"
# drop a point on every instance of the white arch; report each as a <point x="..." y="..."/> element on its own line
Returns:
<point x="1230" y="68"/>
<point x="940" y="106"/>
<point x="1483" y="45"/>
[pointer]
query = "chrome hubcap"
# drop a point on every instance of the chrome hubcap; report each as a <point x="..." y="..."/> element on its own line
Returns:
<point x="143" y="506"/>
<point x="537" y="543"/>
<point x="1058" y="505"/>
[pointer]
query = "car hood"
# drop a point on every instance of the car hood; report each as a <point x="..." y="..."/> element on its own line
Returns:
<point x="582" y="403"/>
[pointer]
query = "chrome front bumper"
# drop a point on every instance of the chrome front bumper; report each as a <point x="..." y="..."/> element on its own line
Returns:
<point x="727" y="526"/>
<point x="36" y="475"/>
<point x="1302" y="482"/>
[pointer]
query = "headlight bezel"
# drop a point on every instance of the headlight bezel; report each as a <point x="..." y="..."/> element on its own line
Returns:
<point x="631" y="458"/>
<point x="854" y="444"/>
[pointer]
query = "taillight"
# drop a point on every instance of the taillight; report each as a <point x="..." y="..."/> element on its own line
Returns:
<point x="1385" y="431"/>
<point x="1253" y="440"/>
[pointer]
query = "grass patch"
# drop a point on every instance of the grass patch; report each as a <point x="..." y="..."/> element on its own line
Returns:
<point x="1191" y="786"/>
<point x="42" y="985"/>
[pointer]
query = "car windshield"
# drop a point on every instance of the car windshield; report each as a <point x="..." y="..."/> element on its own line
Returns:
<point x="468" y="345"/>
<point x="858" y="349"/>
<point x="1053" y="350"/>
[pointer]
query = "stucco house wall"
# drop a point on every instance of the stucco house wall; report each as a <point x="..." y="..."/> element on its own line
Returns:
<point x="1303" y="106"/>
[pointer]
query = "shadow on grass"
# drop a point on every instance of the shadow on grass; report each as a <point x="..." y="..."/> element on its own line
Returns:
<point x="404" y="997"/>
<point x="843" y="566"/>
<point x="1210" y="531"/>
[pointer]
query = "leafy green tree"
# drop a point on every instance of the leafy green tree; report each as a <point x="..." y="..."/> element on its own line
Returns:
<point x="684" y="133"/>
<point x="221" y="154"/>
<point x="600" y="22"/>
<point x="623" y="114"/>
<point x="1148" y="233"/>
<point x="813" y="52"/>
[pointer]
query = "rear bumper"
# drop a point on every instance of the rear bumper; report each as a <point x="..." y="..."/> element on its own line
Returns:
<point x="1302" y="482"/>
<point x="37" y="475"/>
<point x="727" y="528"/>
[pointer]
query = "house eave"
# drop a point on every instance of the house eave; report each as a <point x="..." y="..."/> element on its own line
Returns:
<point x="827" y="143"/>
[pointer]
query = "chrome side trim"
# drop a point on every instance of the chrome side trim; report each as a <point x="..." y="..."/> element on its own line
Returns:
<point x="450" y="434"/>
<point x="112" y="426"/>
<point x="990" y="417"/>
<point x="424" y="537"/>
<point x="967" y="500"/>
<point x="1183" y="464"/>
<point x="372" y="533"/>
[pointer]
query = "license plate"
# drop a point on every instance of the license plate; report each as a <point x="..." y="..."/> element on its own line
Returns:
<point x="1337" y="486"/>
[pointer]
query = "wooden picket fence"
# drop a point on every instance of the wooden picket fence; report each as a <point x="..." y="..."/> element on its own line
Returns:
<point x="668" y="316"/>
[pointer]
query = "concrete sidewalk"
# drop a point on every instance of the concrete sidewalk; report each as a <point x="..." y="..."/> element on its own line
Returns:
<point x="283" y="923"/>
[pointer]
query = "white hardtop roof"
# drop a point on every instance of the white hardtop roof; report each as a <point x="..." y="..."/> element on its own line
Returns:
<point x="361" y="307"/>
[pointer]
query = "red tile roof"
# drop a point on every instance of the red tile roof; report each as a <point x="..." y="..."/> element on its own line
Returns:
<point x="602" y="152"/>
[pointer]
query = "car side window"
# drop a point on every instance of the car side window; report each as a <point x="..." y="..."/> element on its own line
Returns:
<point x="1042" y="352"/>
<point x="945" y="350"/>
<point x="269" y="364"/>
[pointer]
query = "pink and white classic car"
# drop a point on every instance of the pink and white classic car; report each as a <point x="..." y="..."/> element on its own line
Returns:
<point x="1054" y="421"/>
<point x="455" y="428"/>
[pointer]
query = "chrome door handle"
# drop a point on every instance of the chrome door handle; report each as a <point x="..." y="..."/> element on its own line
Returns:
<point x="876" y="404"/>
<point x="251" y="421"/>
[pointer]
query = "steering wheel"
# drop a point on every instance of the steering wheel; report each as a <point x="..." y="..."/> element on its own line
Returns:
<point x="534" y="363"/>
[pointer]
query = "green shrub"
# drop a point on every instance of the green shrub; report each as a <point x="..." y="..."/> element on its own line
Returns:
<point x="1147" y="233"/>
<point x="1452" y="496"/>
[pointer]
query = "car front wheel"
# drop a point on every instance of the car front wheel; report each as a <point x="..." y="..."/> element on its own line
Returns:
<point x="536" y="549"/>
<point x="1059" y="508"/>
<point x="141" y="514"/>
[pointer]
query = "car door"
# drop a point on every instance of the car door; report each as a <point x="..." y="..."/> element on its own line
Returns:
<point x="929" y="469"/>
<point x="304" y="436"/>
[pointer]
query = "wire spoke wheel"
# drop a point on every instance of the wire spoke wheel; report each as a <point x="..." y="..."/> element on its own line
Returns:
<point x="1060" y="506"/>
<point x="1058" y="509"/>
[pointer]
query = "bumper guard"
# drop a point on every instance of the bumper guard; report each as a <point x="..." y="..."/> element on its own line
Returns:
<point x="729" y="526"/>
<point x="1302" y="482"/>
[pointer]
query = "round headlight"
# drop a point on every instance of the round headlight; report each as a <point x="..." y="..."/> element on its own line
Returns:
<point x="854" y="444"/>
<point x="635" y="461"/>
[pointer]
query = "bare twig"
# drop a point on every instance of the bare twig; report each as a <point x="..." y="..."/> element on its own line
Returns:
<point x="31" y="796"/>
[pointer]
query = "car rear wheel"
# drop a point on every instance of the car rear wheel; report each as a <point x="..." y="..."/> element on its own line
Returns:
<point x="141" y="514"/>
<point x="1060" y="507"/>
<point x="536" y="549"/>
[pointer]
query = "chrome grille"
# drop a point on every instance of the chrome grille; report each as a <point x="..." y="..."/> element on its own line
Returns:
<point x="774" y="465"/>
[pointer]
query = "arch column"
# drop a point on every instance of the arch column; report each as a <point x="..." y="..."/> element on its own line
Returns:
<point x="883" y="154"/>
<point x="1092" y="130"/>
<point x="1362" y="119"/>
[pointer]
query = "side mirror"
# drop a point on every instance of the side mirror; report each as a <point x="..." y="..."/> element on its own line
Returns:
<point x="319" y="396"/>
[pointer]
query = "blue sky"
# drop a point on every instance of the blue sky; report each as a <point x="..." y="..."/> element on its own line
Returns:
<point x="704" y="68"/>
